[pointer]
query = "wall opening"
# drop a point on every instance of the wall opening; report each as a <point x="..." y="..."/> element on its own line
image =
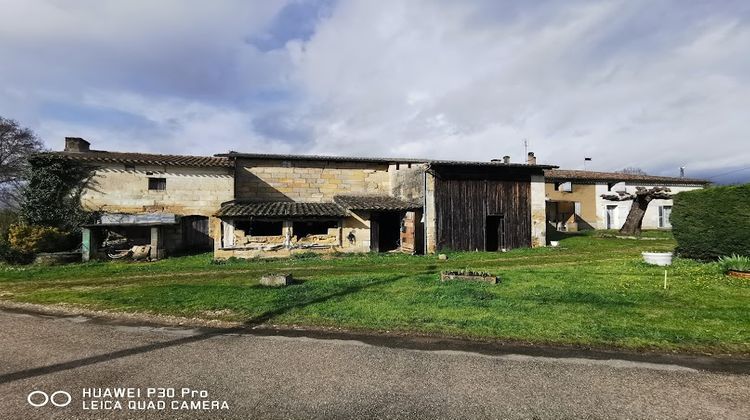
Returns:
<point x="387" y="231"/>
<point x="314" y="227"/>
<point x="495" y="233"/>
<point x="259" y="227"/>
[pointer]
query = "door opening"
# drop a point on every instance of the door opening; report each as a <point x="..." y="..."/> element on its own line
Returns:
<point x="495" y="233"/>
<point x="611" y="217"/>
<point x="386" y="231"/>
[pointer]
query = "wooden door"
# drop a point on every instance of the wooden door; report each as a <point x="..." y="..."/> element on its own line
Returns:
<point x="195" y="235"/>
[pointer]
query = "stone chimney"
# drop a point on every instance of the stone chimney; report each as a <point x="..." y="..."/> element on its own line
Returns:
<point x="506" y="159"/>
<point x="531" y="159"/>
<point x="76" y="145"/>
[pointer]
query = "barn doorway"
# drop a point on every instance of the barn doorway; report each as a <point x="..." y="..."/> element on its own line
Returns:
<point x="195" y="236"/>
<point x="385" y="229"/>
<point x="495" y="233"/>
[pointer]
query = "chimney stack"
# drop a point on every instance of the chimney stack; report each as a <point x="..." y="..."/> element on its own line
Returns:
<point x="506" y="159"/>
<point x="76" y="145"/>
<point x="531" y="159"/>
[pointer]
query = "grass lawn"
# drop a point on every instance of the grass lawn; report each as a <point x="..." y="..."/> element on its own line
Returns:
<point x="593" y="290"/>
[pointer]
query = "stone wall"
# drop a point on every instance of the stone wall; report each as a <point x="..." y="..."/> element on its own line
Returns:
<point x="189" y="191"/>
<point x="308" y="181"/>
<point x="407" y="181"/>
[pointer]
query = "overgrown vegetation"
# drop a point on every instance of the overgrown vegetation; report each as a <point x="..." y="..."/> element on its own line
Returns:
<point x="591" y="291"/>
<point x="735" y="263"/>
<point x="52" y="194"/>
<point x="713" y="222"/>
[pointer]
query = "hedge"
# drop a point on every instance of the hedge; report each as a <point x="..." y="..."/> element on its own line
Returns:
<point x="713" y="222"/>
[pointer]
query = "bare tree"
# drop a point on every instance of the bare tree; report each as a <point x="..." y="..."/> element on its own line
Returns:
<point x="630" y="170"/>
<point x="16" y="145"/>
<point x="641" y="199"/>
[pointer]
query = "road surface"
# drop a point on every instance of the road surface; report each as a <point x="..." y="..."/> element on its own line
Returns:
<point x="237" y="375"/>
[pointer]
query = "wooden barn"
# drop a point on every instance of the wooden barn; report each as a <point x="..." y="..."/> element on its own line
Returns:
<point x="485" y="206"/>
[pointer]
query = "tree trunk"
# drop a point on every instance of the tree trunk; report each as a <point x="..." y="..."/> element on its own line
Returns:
<point x="633" y="223"/>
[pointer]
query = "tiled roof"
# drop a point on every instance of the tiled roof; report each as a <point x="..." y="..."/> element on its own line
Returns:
<point x="281" y="209"/>
<point x="567" y="175"/>
<point x="374" y="202"/>
<point x="433" y="162"/>
<point x="95" y="156"/>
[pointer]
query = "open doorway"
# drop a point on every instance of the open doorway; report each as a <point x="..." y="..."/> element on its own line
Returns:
<point x="385" y="231"/>
<point x="495" y="233"/>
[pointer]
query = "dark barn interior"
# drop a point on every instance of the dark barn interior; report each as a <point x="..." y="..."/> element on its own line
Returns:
<point x="483" y="208"/>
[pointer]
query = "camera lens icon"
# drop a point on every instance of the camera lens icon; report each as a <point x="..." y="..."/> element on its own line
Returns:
<point x="41" y="398"/>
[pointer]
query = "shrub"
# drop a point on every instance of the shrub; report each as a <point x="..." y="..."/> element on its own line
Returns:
<point x="32" y="239"/>
<point x="713" y="222"/>
<point x="735" y="263"/>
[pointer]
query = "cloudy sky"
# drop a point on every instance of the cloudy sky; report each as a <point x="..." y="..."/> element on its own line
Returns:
<point x="629" y="83"/>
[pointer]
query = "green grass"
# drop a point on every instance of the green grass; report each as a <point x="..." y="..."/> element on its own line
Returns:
<point x="593" y="290"/>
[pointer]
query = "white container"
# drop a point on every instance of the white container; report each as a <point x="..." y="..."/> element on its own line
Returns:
<point x="657" y="258"/>
<point x="554" y="244"/>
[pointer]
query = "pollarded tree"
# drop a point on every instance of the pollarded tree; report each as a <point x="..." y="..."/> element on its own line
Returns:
<point x="16" y="145"/>
<point x="641" y="199"/>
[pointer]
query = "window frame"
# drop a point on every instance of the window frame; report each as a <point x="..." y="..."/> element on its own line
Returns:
<point x="157" y="184"/>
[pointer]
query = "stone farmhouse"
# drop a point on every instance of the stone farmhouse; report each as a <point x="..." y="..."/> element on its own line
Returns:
<point x="574" y="199"/>
<point x="250" y="205"/>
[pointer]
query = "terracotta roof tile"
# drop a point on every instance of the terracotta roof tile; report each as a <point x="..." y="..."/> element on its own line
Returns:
<point x="146" y="159"/>
<point x="567" y="175"/>
<point x="374" y="202"/>
<point x="281" y="209"/>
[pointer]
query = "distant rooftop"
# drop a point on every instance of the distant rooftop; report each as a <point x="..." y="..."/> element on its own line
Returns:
<point x="568" y="175"/>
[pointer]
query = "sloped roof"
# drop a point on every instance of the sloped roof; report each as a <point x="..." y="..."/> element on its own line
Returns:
<point x="281" y="209"/>
<point x="433" y="162"/>
<point x="569" y="175"/>
<point x="101" y="156"/>
<point x="374" y="202"/>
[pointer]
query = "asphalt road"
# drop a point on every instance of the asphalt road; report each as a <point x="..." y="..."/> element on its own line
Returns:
<point x="255" y="376"/>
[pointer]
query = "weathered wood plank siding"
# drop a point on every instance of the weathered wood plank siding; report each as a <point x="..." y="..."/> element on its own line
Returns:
<point x="463" y="204"/>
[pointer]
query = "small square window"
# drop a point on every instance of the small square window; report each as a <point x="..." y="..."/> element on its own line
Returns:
<point x="157" y="184"/>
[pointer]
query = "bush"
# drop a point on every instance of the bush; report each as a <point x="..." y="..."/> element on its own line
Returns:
<point x="735" y="263"/>
<point x="710" y="223"/>
<point x="32" y="239"/>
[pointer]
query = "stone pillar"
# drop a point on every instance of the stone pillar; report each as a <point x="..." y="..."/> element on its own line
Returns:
<point x="287" y="230"/>
<point x="538" y="212"/>
<point x="157" y="249"/>
<point x="430" y="215"/>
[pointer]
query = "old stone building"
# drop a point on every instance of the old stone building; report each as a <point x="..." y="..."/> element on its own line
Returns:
<point x="286" y="204"/>
<point x="162" y="202"/>
<point x="250" y="205"/>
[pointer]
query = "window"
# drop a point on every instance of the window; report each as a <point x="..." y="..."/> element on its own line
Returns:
<point x="665" y="213"/>
<point x="564" y="186"/>
<point x="302" y="229"/>
<point x="259" y="227"/>
<point x="130" y="167"/>
<point x="157" y="184"/>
